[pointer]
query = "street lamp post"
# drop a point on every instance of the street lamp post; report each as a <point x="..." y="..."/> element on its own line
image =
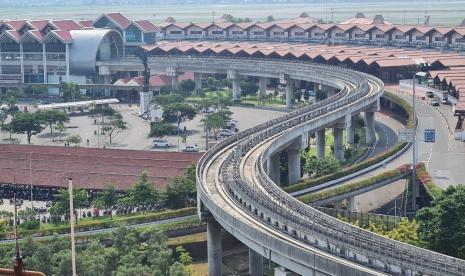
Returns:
<point x="415" y="187"/>
<point x="178" y="115"/>
<point x="71" y="222"/>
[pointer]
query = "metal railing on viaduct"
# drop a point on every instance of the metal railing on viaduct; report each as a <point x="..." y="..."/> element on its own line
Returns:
<point x="236" y="193"/>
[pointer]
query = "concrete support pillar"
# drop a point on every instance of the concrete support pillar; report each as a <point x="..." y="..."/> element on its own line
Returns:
<point x="22" y="61"/>
<point x="44" y="62"/>
<point x="255" y="263"/>
<point x="293" y="157"/>
<point x="236" y="83"/>
<point x="1" y="71"/>
<point x="214" y="247"/>
<point x="145" y="99"/>
<point x="338" y="143"/>
<point x="274" y="168"/>
<point x="370" y="127"/>
<point x="198" y="82"/>
<point x="349" y="129"/>
<point x="262" y="86"/>
<point x="174" y="82"/>
<point x="289" y="94"/>
<point x="320" y="143"/>
<point x="107" y="80"/>
<point x="67" y="62"/>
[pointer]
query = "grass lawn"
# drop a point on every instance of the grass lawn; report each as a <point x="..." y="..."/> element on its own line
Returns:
<point x="200" y="269"/>
<point x="199" y="237"/>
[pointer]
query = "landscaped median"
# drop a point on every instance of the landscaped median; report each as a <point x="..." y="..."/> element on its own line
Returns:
<point x="339" y="190"/>
<point x="425" y="179"/>
<point x="346" y="171"/>
<point x="106" y="222"/>
<point x="403" y="104"/>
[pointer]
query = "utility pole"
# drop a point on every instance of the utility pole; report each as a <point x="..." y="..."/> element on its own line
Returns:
<point x="414" y="158"/>
<point x="326" y="11"/>
<point x="18" y="261"/>
<point x="30" y="178"/>
<point x="71" y="222"/>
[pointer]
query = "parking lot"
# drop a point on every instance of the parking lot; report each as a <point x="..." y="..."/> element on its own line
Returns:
<point x="136" y="135"/>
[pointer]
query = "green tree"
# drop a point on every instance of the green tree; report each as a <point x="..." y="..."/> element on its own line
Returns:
<point x="321" y="166"/>
<point x="441" y="226"/>
<point x="51" y="117"/>
<point x="116" y="123"/>
<point x="181" y="188"/>
<point x="217" y="120"/>
<point x="161" y="129"/>
<point x="177" y="112"/>
<point x="164" y="100"/>
<point x="26" y="123"/>
<point x="70" y="91"/>
<point x="248" y="88"/>
<point x="187" y="86"/>
<point x="74" y="139"/>
<point x="61" y="205"/>
<point x="143" y="192"/>
<point x="107" y="198"/>
<point x="60" y="127"/>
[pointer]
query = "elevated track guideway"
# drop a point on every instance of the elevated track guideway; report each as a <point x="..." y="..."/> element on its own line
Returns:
<point x="235" y="190"/>
<point x="236" y="193"/>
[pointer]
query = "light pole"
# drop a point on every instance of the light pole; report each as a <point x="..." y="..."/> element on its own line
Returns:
<point x="178" y="115"/>
<point x="415" y="187"/>
<point x="71" y="222"/>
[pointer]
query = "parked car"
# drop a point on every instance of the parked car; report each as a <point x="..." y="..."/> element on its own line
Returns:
<point x="207" y="110"/>
<point x="430" y="94"/>
<point x="444" y="101"/>
<point x="161" y="143"/>
<point x="175" y="131"/>
<point x="435" y="102"/>
<point x="191" y="148"/>
<point x="225" y="133"/>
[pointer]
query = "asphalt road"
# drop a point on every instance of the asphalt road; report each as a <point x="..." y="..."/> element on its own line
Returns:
<point x="445" y="158"/>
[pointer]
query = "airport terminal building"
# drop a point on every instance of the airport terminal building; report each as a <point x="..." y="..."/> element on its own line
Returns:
<point x="54" y="51"/>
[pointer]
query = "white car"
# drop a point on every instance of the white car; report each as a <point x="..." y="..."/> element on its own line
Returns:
<point x="191" y="148"/>
<point x="225" y="133"/>
<point x="161" y="143"/>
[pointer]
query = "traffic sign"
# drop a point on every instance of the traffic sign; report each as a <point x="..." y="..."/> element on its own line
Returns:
<point x="406" y="135"/>
<point x="430" y="135"/>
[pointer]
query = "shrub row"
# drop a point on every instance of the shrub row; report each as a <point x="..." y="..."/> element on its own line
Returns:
<point x="115" y="222"/>
<point x="346" y="171"/>
<point x="425" y="179"/>
<point x="351" y="186"/>
<point x="403" y="104"/>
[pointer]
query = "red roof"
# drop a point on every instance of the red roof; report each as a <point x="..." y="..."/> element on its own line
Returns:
<point x="38" y="24"/>
<point x="120" y="19"/>
<point x="90" y="168"/>
<point x="16" y="24"/>
<point x="15" y="35"/>
<point x="66" y="25"/>
<point x="146" y="26"/>
<point x="86" y="23"/>
<point x="65" y="36"/>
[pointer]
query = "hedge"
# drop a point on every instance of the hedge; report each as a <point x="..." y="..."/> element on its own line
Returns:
<point x="115" y="222"/>
<point x="346" y="171"/>
<point x="425" y="179"/>
<point x="352" y="186"/>
<point x="403" y="104"/>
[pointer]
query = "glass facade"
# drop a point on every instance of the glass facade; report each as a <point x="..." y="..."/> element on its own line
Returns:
<point x="133" y="34"/>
